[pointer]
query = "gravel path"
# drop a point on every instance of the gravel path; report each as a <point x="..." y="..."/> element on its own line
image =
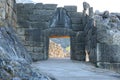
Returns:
<point x="65" y="69"/>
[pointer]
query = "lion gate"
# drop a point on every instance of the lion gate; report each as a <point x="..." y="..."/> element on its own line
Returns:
<point x="38" y="22"/>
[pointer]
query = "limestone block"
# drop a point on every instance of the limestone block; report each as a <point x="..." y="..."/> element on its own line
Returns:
<point x="30" y="49"/>
<point x="111" y="66"/>
<point x="108" y="53"/>
<point x="29" y="5"/>
<point x="19" y="5"/>
<point x="22" y="37"/>
<point x="21" y="31"/>
<point x="77" y="27"/>
<point x="24" y="24"/>
<point x="29" y="43"/>
<point x="76" y="20"/>
<point x="38" y="44"/>
<point x="37" y="56"/>
<point x="38" y="49"/>
<point x="34" y="35"/>
<point x="50" y="6"/>
<point x="92" y="55"/>
<point x="43" y="12"/>
<point x="75" y="14"/>
<point x="34" y="18"/>
<point x="71" y="8"/>
<point x="40" y="25"/>
<point x="94" y="41"/>
<point x="39" y="6"/>
<point x="79" y="46"/>
<point x="39" y="18"/>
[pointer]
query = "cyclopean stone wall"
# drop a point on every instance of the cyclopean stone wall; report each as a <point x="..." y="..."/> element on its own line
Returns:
<point x="97" y="35"/>
<point x="14" y="58"/>
<point x="108" y="40"/>
<point x="102" y="38"/>
<point x="34" y="22"/>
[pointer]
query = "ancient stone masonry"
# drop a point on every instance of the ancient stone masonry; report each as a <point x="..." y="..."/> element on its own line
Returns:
<point x="97" y="35"/>
<point x="102" y="39"/>
<point x="14" y="59"/>
<point x="33" y="19"/>
<point x="34" y="22"/>
<point x="108" y="39"/>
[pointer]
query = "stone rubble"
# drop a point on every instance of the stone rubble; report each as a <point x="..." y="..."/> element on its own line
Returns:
<point x="57" y="51"/>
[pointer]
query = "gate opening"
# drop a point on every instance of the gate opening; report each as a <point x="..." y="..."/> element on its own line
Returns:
<point x="59" y="47"/>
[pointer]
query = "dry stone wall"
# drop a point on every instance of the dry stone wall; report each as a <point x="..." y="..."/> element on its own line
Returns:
<point x="108" y="47"/>
<point x="34" y="22"/>
<point x="96" y="35"/>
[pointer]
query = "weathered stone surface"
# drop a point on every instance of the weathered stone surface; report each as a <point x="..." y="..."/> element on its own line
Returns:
<point x="42" y="18"/>
<point x="105" y="14"/>
<point x="29" y="5"/>
<point x="14" y="59"/>
<point x="44" y="12"/>
<point x="109" y="53"/>
<point x="71" y="8"/>
<point x="39" y="6"/>
<point x="40" y="25"/>
<point x="107" y="29"/>
<point x="108" y="39"/>
<point x="50" y="6"/>
<point x="76" y="20"/>
<point x="75" y="14"/>
<point x="86" y="5"/>
<point x="60" y="19"/>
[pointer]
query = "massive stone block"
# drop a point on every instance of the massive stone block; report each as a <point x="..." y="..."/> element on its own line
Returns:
<point x="71" y="8"/>
<point x="39" y="6"/>
<point x="50" y="6"/>
<point x="109" y="53"/>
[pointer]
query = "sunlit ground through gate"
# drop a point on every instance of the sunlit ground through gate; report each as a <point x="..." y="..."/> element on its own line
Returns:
<point x="59" y="47"/>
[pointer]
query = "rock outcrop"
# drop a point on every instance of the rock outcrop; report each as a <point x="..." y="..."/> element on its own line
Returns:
<point x="15" y="61"/>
